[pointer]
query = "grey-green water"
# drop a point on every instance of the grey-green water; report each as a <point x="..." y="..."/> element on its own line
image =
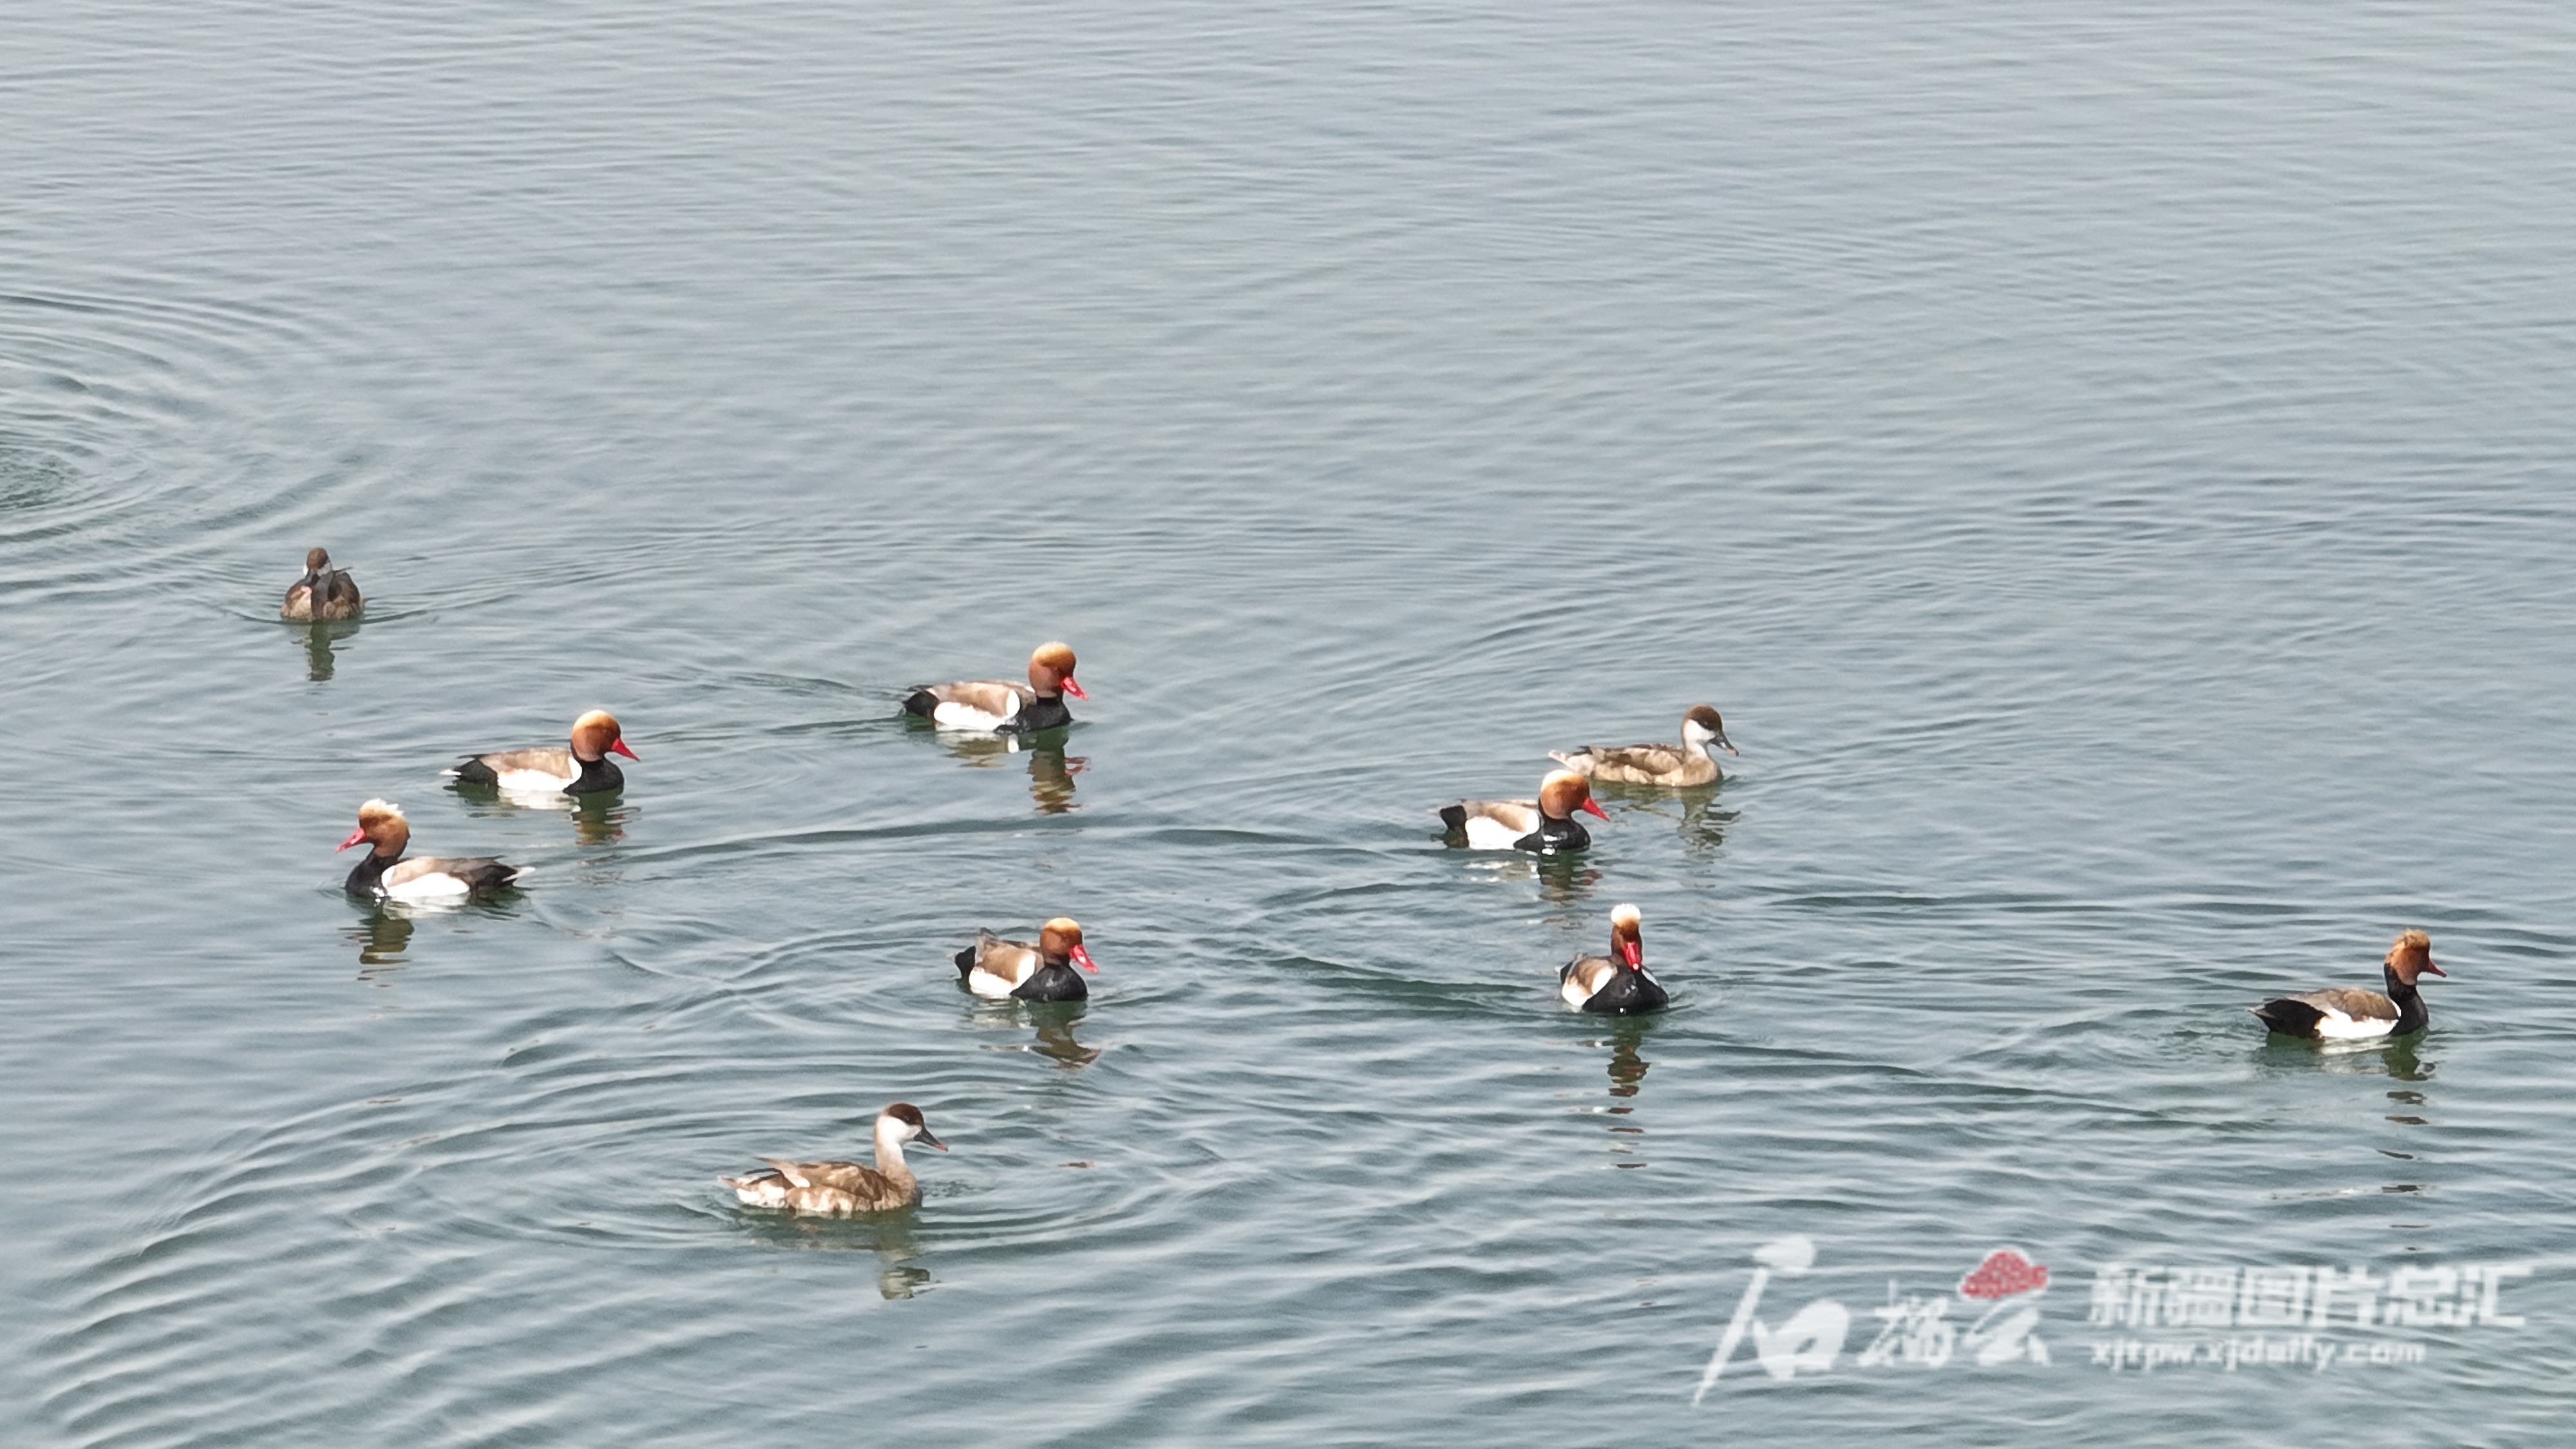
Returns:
<point x="2113" y="470"/>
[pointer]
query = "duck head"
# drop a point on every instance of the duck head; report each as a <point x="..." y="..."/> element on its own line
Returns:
<point x="1702" y="727"/>
<point x="902" y="1123"/>
<point x="317" y="562"/>
<point x="383" y="824"/>
<point x="595" y="735"/>
<point x="1626" y="946"/>
<point x="1563" y="792"/>
<point x="1060" y="941"/>
<point x="2412" y="956"/>
<point x="1051" y="671"/>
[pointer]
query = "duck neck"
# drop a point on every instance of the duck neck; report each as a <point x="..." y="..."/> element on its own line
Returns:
<point x="370" y="869"/>
<point x="596" y="775"/>
<point x="890" y="1162"/>
<point x="2411" y="1011"/>
<point x="1561" y="832"/>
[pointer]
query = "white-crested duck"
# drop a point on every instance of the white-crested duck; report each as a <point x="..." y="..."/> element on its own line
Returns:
<point x="1043" y="971"/>
<point x="1688" y="763"/>
<point x="2350" y="1013"/>
<point x="838" y="1189"/>
<point x="1000" y="705"/>
<point x="1617" y="984"/>
<point x="383" y="871"/>
<point x="1545" y="825"/>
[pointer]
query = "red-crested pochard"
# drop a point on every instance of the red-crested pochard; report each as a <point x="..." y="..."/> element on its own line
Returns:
<point x="583" y="769"/>
<point x="998" y="704"/>
<point x="323" y="593"/>
<point x="2349" y="1013"/>
<point x="841" y="1188"/>
<point x="1616" y="984"/>
<point x="1545" y="825"/>
<point x="996" y="968"/>
<point x="1688" y="763"/>
<point x="383" y="871"/>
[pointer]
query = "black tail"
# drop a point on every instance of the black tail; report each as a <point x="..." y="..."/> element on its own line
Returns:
<point x="475" y="772"/>
<point x="1455" y="817"/>
<point x="923" y="703"/>
<point x="965" y="963"/>
<point x="2289" y="1016"/>
<point x="487" y="874"/>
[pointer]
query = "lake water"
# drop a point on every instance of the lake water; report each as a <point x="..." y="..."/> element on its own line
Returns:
<point x="2113" y="471"/>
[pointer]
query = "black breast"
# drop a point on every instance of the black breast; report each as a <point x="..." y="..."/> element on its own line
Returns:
<point x="1052" y="983"/>
<point x="1039" y="714"/>
<point x="1628" y="993"/>
<point x="1555" y="835"/>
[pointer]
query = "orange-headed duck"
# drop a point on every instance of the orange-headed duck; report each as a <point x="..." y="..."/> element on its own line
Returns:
<point x="1688" y="763"/>
<point x="841" y="1188"/>
<point x="1545" y="825"/>
<point x="323" y="593"/>
<point x="383" y="872"/>
<point x="583" y="769"/>
<point x="2349" y="1013"/>
<point x="1001" y="706"/>
<point x="996" y="968"/>
<point x="1616" y="984"/>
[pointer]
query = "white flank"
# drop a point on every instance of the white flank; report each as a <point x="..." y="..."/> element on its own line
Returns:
<point x="1574" y="991"/>
<point x="522" y="782"/>
<point x="2335" y="1026"/>
<point x="950" y="715"/>
<point x="1484" y="832"/>
<point x="984" y="983"/>
<point x="436" y="886"/>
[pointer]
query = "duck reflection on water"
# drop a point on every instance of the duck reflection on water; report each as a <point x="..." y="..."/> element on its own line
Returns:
<point x="1052" y="1023"/>
<point x="1693" y="811"/>
<point x="318" y="639"/>
<point x="1628" y="1067"/>
<point x="888" y="1235"/>
<point x="382" y="937"/>
<point x="1051" y="770"/>
<point x="600" y="819"/>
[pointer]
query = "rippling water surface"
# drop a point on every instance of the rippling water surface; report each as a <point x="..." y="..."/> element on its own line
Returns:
<point x="2113" y="470"/>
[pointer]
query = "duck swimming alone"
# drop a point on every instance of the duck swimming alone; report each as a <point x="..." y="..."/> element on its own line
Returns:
<point x="2349" y="1013"/>
<point x="999" y="969"/>
<point x="583" y="769"/>
<point x="841" y="1188"/>
<point x="1545" y="825"/>
<point x="323" y="593"/>
<point x="1616" y="984"/>
<point x="432" y="878"/>
<point x="1001" y="706"/>
<point x="1688" y="763"/>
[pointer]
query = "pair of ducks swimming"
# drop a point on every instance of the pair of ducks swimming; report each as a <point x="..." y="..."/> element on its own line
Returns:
<point x="1546" y="825"/>
<point x="992" y="968"/>
<point x="581" y="768"/>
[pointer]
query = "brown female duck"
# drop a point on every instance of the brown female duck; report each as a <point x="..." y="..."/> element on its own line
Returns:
<point x="1688" y="763"/>
<point x="841" y="1188"/>
<point x="323" y="593"/>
